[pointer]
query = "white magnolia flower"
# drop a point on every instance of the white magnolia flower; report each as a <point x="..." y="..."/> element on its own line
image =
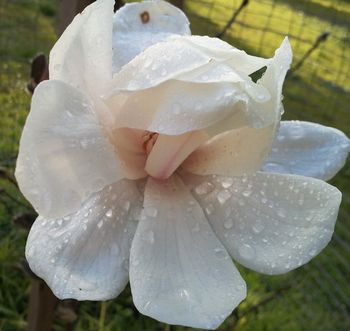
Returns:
<point x="145" y="146"/>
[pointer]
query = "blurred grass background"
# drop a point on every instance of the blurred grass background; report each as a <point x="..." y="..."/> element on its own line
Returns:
<point x="314" y="297"/>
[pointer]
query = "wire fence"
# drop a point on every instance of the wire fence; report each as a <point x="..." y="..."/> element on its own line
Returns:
<point x="314" y="297"/>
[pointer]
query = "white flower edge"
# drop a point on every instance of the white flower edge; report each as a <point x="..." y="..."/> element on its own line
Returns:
<point x="308" y="149"/>
<point x="270" y="223"/>
<point x="179" y="271"/>
<point x="137" y="26"/>
<point x="64" y="155"/>
<point x="167" y="102"/>
<point x="85" y="255"/>
<point x="82" y="56"/>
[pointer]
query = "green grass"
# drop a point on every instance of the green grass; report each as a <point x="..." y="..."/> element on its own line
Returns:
<point x="314" y="297"/>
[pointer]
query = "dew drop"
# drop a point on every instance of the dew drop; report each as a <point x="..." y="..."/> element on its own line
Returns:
<point x="183" y="293"/>
<point x="246" y="251"/>
<point x="246" y="193"/>
<point x="204" y="188"/>
<point x="209" y="209"/>
<point x="227" y="182"/>
<point x="258" y="226"/>
<point x="223" y="196"/>
<point x="109" y="213"/>
<point x="220" y="253"/>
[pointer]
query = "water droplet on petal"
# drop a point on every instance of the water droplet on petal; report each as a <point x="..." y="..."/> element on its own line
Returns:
<point x="223" y="196"/>
<point x="228" y="224"/>
<point x="246" y="251"/>
<point x="227" y="182"/>
<point x="258" y="226"/>
<point x="246" y="193"/>
<point x="204" y="188"/>
<point x="109" y="213"/>
<point x="220" y="253"/>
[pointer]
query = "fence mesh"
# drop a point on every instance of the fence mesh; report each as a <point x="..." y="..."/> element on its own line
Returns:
<point x="313" y="297"/>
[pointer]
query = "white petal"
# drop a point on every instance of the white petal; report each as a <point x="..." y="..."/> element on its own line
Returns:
<point x="191" y="59"/>
<point x="82" y="56"/>
<point x="193" y="86"/>
<point x="179" y="271"/>
<point x="238" y="59"/>
<point x="232" y="153"/>
<point x="64" y="156"/>
<point x="175" y="107"/>
<point x="271" y="223"/>
<point x="262" y="114"/>
<point x="85" y="255"/>
<point x="308" y="149"/>
<point x="136" y="26"/>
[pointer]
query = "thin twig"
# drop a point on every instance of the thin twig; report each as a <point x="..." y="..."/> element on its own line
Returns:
<point x="264" y="301"/>
<point x="103" y="310"/>
<point x="233" y="18"/>
<point x="319" y="40"/>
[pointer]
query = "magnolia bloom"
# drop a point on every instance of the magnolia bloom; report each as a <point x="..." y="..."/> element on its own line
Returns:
<point x="152" y="157"/>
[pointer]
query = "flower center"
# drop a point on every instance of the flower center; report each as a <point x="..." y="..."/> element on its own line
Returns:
<point x="165" y="153"/>
<point x="148" y="141"/>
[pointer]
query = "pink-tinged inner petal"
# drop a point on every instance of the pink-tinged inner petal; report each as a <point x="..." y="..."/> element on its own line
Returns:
<point x="128" y="145"/>
<point x="169" y="152"/>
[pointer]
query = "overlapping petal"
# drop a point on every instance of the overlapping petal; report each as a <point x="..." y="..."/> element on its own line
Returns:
<point x="185" y="84"/>
<point x="64" y="155"/>
<point x="232" y="153"/>
<point x="85" y="255"/>
<point x="179" y="271"/>
<point x="175" y="107"/>
<point x="137" y="26"/>
<point x="271" y="223"/>
<point x="82" y="57"/>
<point x="308" y="149"/>
<point x="186" y="58"/>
